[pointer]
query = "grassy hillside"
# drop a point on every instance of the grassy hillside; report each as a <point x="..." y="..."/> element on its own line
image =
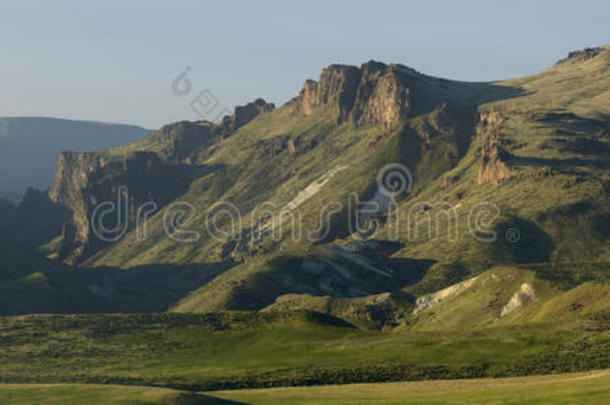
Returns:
<point x="554" y="138"/>
<point x="30" y="283"/>
<point x="592" y="388"/>
<point x="239" y="350"/>
<point x="505" y="295"/>
<point x="539" y="162"/>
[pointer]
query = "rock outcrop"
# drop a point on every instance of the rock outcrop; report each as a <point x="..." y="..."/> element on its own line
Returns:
<point x="185" y="141"/>
<point x="190" y="142"/>
<point x="494" y="166"/>
<point x="429" y="300"/>
<point x="582" y="54"/>
<point x="384" y="94"/>
<point x="525" y="295"/>
<point x="84" y="181"/>
<point x="374" y="94"/>
<point x="244" y="114"/>
<point x="337" y="86"/>
<point x="157" y="169"/>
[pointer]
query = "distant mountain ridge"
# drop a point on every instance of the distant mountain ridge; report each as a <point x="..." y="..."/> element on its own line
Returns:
<point x="30" y="146"/>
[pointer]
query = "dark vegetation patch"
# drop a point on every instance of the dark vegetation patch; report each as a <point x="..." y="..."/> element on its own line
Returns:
<point x="29" y="283"/>
<point x="582" y="54"/>
<point x="570" y="275"/>
<point x="582" y="146"/>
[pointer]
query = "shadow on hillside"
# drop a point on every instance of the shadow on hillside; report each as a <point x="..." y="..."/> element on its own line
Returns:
<point x="29" y="283"/>
<point x="488" y="92"/>
<point x="337" y="271"/>
<point x="201" y="399"/>
<point x="521" y="241"/>
<point x="35" y="220"/>
<point x="574" y="162"/>
<point x="148" y="288"/>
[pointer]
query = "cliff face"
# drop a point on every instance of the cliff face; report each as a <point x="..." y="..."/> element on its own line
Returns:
<point x="72" y="188"/>
<point x="185" y="142"/>
<point x="72" y="178"/>
<point x="384" y="94"/>
<point x="337" y="86"/>
<point x="190" y="142"/>
<point x="494" y="166"/>
<point x="374" y="94"/>
<point x="72" y="174"/>
<point x="244" y="114"/>
<point x="84" y="180"/>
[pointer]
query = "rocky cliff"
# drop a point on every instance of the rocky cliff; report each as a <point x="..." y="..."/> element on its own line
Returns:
<point x="494" y="166"/>
<point x="374" y="94"/>
<point x="191" y="142"/>
<point x="337" y="86"/>
<point x="157" y="169"/>
<point x="243" y="115"/>
<point x="85" y="180"/>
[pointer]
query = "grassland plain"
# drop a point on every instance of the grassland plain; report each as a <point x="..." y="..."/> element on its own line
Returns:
<point x="245" y="349"/>
<point x="100" y="394"/>
<point x="590" y="388"/>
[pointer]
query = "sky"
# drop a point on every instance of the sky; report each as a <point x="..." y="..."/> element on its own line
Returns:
<point x="120" y="61"/>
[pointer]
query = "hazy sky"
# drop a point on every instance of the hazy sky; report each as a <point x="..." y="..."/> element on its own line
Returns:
<point x="115" y="60"/>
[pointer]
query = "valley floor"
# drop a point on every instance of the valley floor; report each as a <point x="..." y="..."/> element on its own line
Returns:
<point x="590" y="387"/>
